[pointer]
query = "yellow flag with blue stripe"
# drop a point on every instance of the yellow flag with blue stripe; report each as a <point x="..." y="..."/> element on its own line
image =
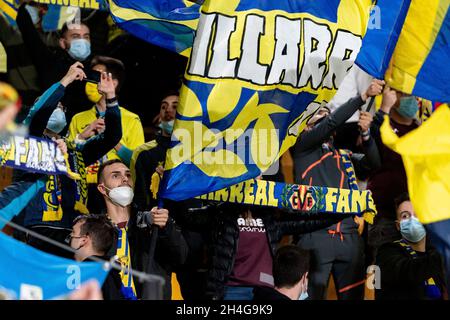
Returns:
<point x="426" y="154"/>
<point x="420" y="59"/>
<point x="257" y="72"/>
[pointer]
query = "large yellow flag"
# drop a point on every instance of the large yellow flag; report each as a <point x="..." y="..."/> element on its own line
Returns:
<point x="426" y="157"/>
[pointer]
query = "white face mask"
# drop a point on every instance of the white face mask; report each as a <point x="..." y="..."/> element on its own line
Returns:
<point x="122" y="196"/>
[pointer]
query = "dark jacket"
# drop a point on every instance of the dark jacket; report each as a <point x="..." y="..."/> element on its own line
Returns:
<point x="221" y="220"/>
<point x="171" y="251"/>
<point x="403" y="275"/>
<point x="22" y="75"/>
<point x="144" y="163"/>
<point x="268" y="294"/>
<point x="88" y="153"/>
<point x="52" y="64"/>
<point x="318" y="163"/>
<point x="389" y="180"/>
<point x="111" y="287"/>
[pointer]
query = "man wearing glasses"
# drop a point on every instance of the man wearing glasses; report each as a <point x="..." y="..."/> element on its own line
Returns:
<point x="93" y="236"/>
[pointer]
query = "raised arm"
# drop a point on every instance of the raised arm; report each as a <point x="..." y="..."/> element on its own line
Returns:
<point x="99" y="145"/>
<point x="321" y="132"/>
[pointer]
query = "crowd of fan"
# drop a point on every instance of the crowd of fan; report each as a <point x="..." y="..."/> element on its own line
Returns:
<point x="217" y="250"/>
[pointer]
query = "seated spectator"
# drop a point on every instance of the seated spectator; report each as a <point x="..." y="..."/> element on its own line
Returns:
<point x="136" y="235"/>
<point x="290" y="276"/>
<point x="93" y="236"/>
<point x="411" y="269"/>
<point x="89" y="123"/>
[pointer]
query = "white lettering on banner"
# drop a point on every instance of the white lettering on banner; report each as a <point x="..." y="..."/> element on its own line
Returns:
<point x="325" y="62"/>
<point x="74" y="279"/>
<point x="36" y="154"/>
<point x="30" y="292"/>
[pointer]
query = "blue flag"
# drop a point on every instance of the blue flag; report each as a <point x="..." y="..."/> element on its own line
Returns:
<point x="170" y="24"/>
<point x="27" y="273"/>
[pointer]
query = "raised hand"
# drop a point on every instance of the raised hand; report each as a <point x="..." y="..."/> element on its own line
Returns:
<point x="75" y="72"/>
<point x="106" y="86"/>
<point x="375" y="88"/>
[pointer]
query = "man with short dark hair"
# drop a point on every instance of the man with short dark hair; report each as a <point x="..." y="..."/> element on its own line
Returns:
<point x="136" y="232"/>
<point x="93" y="236"/>
<point x="290" y="276"/>
<point x="52" y="63"/>
<point x="411" y="268"/>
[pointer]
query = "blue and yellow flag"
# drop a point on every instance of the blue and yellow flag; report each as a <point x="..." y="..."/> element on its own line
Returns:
<point x="426" y="157"/>
<point x="9" y="9"/>
<point x="170" y="24"/>
<point x="59" y="11"/>
<point x="258" y="71"/>
<point x="420" y="60"/>
<point x="414" y="37"/>
<point x="383" y="30"/>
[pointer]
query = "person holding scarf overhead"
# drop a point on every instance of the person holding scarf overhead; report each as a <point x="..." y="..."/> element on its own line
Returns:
<point x="337" y="250"/>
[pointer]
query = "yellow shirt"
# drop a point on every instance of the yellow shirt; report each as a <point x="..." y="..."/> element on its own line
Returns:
<point x="132" y="134"/>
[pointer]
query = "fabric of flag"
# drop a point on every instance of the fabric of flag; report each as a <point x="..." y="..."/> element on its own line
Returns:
<point x="9" y="9"/>
<point x="414" y="36"/>
<point x="383" y="30"/>
<point x="170" y="24"/>
<point x="426" y="153"/>
<point x="420" y="61"/>
<point x="258" y="71"/>
<point x="30" y="274"/>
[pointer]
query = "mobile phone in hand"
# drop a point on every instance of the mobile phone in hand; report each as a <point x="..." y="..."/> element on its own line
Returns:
<point x="92" y="76"/>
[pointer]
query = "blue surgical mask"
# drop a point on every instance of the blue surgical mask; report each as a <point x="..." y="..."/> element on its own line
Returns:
<point x="80" y="49"/>
<point x="412" y="230"/>
<point x="34" y="13"/>
<point x="167" y="126"/>
<point x="303" y="296"/>
<point x="57" y="121"/>
<point x="408" y="107"/>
